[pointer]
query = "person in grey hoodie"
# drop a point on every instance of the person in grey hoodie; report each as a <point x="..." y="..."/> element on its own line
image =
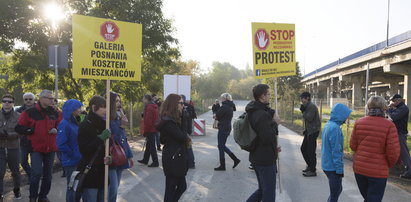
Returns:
<point x="312" y="128"/>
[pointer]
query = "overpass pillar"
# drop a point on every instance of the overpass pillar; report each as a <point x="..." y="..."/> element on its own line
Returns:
<point x="328" y="95"/>
<point x="405" y="70"/>
<point x="394" y="87"/>
<point x="407" y="89"/>
<point x="357" y="95"/>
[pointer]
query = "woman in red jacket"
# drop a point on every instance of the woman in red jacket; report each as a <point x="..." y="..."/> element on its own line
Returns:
<point x="375" y="144"/>
<point x="150" y="118"/>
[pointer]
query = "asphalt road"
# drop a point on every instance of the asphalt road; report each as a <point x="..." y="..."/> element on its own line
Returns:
<point x="145" y="184"/>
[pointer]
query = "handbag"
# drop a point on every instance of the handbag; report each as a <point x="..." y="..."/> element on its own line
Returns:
<point x="77" y="178"/>
<point x="117" y="153"/>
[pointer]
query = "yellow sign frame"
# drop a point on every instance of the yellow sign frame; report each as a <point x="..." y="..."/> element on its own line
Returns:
<point x="273" y="50"/>
<point x="106" y="49"/>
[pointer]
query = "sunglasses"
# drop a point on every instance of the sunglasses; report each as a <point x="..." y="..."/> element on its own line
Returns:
<point x="26" y="99"/>
<point x="7" y="101"/>
<point x="181" y="103"/>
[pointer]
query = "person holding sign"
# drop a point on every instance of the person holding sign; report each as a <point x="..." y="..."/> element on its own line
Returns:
<point x="176" y="142"/>
<point x="92" y="134"/>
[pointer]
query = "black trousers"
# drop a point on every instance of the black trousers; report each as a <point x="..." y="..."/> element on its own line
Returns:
<point x="151" y="149"/>
<point x="175" y="187"/>
<point x="308" y="148"/>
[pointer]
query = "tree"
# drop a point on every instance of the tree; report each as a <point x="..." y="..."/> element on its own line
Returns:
<point x="224" y="77"/>
<point x="21" y="22"/>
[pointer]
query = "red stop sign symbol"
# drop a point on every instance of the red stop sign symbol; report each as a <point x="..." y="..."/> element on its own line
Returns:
<point x="109" y="31"/>
<point x="261" y="39"/>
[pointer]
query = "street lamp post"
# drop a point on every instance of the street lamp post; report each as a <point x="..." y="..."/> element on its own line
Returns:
<point x="54" y="13"/>
<point x="388" y="23"/>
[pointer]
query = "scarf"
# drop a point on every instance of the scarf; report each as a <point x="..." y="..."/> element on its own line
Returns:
<point x="376" y="112"/>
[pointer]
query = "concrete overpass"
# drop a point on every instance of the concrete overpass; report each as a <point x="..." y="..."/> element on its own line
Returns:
<point x="345" y="79"/>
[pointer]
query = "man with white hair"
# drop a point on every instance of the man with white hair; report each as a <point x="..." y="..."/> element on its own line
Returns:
<point x="25" y="145"/>
<point x="40" y="124"/>
<point x="28" y="99"/>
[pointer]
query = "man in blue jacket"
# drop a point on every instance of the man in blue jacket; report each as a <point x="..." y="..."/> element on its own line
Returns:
<point x="332" y="152"/>
<point x="67" y="142"/>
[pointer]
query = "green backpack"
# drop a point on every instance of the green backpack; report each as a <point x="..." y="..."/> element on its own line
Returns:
<point x="244" y="134"/>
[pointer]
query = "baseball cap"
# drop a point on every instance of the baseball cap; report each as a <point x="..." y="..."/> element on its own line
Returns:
<point x="395" y="96"/>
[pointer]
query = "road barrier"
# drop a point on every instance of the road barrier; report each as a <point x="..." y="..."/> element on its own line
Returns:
<point x="199" y="127"/>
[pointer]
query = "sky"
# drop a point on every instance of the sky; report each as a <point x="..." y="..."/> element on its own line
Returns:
<point x="220" y="30"/>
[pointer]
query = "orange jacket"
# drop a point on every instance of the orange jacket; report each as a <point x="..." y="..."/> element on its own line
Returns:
<point x="375" y="143"/>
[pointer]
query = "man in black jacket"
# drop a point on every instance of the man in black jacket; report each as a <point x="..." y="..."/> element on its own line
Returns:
<point x="398" y="113"/>
<point x="264" y="156"/>
<point x="312" y="128"/>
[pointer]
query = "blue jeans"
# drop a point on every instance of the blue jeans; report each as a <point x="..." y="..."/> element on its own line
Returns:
<point x="93" y="195"/>
<point x="42" y="168"/>
<point x="114" y="177"/>
<point x="175" y="187"/>
<point x="222" y="139"/>
<point x="71" y="196"/>
<point x="335" y="183"/>
<point x="151" y="149"/>
<point x="266" y="177"/>
<point x="24" y="152"/>
<point x="371" y="188"/>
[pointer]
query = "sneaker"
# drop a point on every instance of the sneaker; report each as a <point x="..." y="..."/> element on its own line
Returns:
<point x="142" y="162"/>
<point x="43" y="200"/>
<point x="17" y="194"/>
<point x="251" y="167"/>
<point x="305" y="170"/>
<point x="310" y="174"/>
<point x="153" y="165"/>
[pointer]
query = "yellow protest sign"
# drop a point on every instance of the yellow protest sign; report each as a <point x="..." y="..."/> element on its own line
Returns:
<point x="106" y="49"/>
<point x="273" y="50"/>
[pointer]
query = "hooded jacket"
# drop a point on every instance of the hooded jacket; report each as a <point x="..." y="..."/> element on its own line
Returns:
<point x="8" y="124"/>
<point x="174" y="156"/>
<point x="374" y="140"/>
<point x="261" y="120"/>
<point x="311" y="118"/>
<point x="333" y="140"/>
<point x="224" y="116"/>
<point x="41" y="121"/>
<point x="67" y="134"/>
